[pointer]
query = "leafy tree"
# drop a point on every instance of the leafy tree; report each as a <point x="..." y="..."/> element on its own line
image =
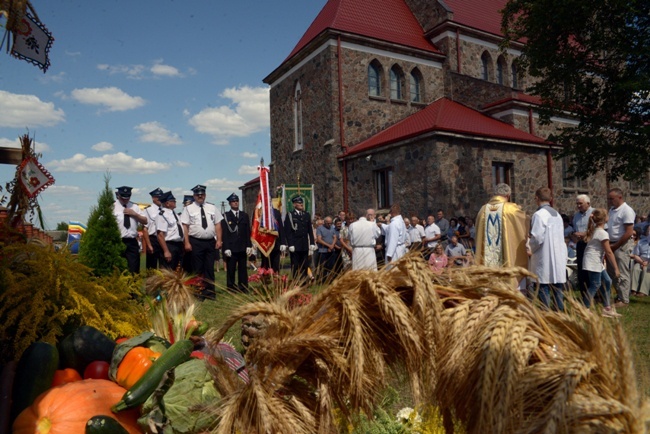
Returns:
<point x="101" y="245"/>
<point x="592" y="59"/>
<point x="62" y="226"/>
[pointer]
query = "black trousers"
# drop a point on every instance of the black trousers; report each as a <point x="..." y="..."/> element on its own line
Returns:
<point x="236" y="263"/>
<point x="132" y="254"/>
<point x="583" y="276"/>
<point x="204" y="253"/>
<point x="153" y="259"/>
<point x="272" y="261"/>
<point x="176" y="249"/>
<point x="299" y="263"/>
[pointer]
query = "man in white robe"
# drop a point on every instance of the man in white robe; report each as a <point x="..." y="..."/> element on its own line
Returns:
<point x="548" y="250"/>
<point x="395" y="235"/>
<point x="362" y="235"/>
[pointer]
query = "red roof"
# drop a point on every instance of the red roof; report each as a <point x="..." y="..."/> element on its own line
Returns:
<point x="386" y="20"/>
<point x="483" y="15"/>
<point x="446" y="115"/>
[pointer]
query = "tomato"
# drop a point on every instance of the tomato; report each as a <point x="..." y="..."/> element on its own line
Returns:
<point x="65" y="376"/>
<point x="120" y="340"/>
<point x="197" y="354"/>
<point x="97" y="370"/>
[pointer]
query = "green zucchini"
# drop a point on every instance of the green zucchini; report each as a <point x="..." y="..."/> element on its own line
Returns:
<point x="178" y="353"/>
<point x="104" y="425"/>
<point x="34" y="374"/>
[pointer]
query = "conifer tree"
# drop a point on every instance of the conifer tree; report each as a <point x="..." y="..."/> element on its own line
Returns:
<point x="101" y="245"/>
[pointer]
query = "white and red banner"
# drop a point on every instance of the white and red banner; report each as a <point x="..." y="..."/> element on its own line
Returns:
<point x="264" y="232"/>
<point x="33" y="177"/>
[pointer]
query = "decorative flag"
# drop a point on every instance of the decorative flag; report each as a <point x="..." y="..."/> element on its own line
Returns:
<point x="33" y="177"/>
<point x="289" y="191"/>
<point x="264" y="232"/>
<point x="32" y="42"/>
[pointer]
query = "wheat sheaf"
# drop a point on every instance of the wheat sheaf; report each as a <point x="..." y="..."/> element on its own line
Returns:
<point x="488" y="358"/>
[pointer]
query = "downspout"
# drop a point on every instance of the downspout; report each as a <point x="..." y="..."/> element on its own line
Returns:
<point x="458" y="68"/>
<point x="344" y="147"/>
<point x="549" y="170"/>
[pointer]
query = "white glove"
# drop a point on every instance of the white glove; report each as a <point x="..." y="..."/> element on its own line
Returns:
<point x="292" y="249"/>
<point x="249" y="251"/>
<point x="228" y="253"/>
<point x="283" y="248"/>
<point x="313" y="247"/>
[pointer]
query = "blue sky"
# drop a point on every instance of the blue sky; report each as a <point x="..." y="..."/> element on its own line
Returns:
<point x="160" y="93"/>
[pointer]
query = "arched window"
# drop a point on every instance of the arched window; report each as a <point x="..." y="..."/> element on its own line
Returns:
<point x="374" y="78"/>
<point x="515" y="75"/>
<point x="297" y="118"/>
<point x="501" y="70"/>
<point x="396" y="83"/>
<point x="416" y="85"/>
<point x="486" y="62"/>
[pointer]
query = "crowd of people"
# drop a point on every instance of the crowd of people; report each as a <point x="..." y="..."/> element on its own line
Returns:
<point x="610" y="247"/>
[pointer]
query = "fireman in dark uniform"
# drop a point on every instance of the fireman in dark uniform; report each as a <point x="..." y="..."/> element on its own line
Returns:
<point x="299" y="237"/>
<point x="237" y="246"/>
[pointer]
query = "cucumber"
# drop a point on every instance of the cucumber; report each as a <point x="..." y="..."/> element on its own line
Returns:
<point x="34" y="375"/>
<point x="178" y="353"/>
<point x="85" y="345"/>
<point x="104" y="425"/>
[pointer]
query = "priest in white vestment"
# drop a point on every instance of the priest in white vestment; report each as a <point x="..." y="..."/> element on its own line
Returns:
<point x="362" y="235"/>
<point x="395" y="235"/>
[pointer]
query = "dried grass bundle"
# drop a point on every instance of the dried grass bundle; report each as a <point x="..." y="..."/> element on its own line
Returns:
<point x="483" y="354"/>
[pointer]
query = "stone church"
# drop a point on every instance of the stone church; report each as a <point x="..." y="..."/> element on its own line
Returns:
<point x="415" y="102"/>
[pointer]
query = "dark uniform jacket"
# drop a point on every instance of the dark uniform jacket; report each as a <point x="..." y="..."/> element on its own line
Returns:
<point x="236" y="233"/>
<point x="298" y="231"/>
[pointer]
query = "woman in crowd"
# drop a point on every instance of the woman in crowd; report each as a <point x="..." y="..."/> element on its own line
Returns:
<point x="453" y="227"/>
<point x="598" y="248"/>
<point x="438" y="260"/>
<point x="640" y="265"/>
<point x="462" y="232"/>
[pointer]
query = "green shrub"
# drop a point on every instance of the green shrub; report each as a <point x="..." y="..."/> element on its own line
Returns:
<point x="101" y="247"/>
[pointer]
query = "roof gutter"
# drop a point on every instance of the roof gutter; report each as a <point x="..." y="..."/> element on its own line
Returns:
<point x="344" y="146"/>
<point x="396" y="144"/>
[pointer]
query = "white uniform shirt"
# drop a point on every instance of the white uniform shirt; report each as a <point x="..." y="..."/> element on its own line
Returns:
<point x="191" y="216"/>
<point x="152" y="213"/>
<point x="118" y="212"/>
<point x="618" y="218"/>
<point x="431" y="231"/>
<point x="549" y="252"/>
<point x="166" y="222"/>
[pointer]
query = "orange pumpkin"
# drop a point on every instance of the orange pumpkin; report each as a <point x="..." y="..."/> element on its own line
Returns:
<point x="66" y="409"/>
<point x="134" y="364"/>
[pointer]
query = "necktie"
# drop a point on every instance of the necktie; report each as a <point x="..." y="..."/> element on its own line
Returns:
<point x="178" y="225"/>
<point x="127" y="221"/>
<point x="204" y="220"/>
<point x="236" y="216"/>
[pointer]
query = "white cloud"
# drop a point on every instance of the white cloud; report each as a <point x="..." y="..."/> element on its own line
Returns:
<point x="247" y="170"/>
<point x="64" y="190"/>
<point x="131" y="71"/>
<point x="21" y="111"/>
<point x="112" y="98"/>
<point x="249" y="115"/>
<point x="115" y="163"/>
<point x="181" y="163"/>
<point x="222" y="184"/>
<point x="249" y="155"/>
<point x="40" y="147"/>
<point x="155" y="132"/>
<point x="56" y="78"/>
<point x="165" y="70"/>
<point x="102" y="146"/>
